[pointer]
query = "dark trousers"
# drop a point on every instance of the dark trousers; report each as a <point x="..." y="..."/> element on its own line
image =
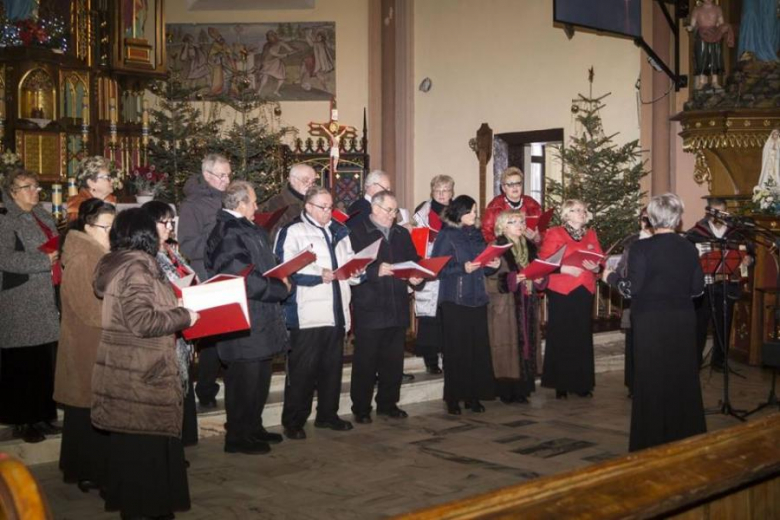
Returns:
<point x="246" y="392"/>
<point x="378" y="357"/>
<point x="207" y="387"/>
<point x="314" y="362"/>
<point x="710" y="307"/>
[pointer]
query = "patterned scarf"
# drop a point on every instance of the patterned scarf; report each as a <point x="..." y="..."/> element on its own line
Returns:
<point x="576" y="234"/>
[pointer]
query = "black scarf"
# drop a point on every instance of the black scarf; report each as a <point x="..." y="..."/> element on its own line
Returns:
<point x="295" y="193"/>
<point x="437" y="207"/>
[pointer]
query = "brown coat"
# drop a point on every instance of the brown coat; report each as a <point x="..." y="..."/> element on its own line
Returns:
<point x="80" y="327"/>
<point x="73" y="203"/>
<point x="286" y="197"/>
<point x="502" y="327"/>
<point x="136" y="386"/>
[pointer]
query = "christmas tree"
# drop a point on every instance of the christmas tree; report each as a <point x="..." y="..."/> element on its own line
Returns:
<point x="603" y="174"/>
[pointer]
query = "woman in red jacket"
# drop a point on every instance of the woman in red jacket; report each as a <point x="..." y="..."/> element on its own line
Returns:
<point x="568" y="358"/>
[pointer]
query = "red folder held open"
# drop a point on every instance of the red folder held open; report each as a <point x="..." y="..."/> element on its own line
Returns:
<point x="427" y="268"/>
<point x="421" y="236"/>
<point x="575" y="259"/>
<point x="222" y="304"/>
<point x="340" y="216"/>
<point x="293" y="265"/>
<point x="268" y="220"/>
<point x="51" y="245"/>
<point x="540" y="222"/>
<point x="358" y="262"/>
<point x="539" y="268"/>
<point x="490" y="253"/>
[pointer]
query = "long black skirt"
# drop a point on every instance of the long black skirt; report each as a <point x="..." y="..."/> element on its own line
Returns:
<point x="146" y="475"/>
<point x="84" y="448"/>
<point x="468" y="366"/>
<point x="667" y="403"/>
<point x="27" y="384"/>
<point x="568" y="356"/>
<point x="189" y="431"/>
<point x="430" y="336"/>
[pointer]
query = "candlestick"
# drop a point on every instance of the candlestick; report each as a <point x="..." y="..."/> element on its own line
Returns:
<point x="145" y="113"/>
<point x="72" y="188"/>
<point x="56" y="194"/>
<point x="85" y="113"/>
<point x="112" y="110"/>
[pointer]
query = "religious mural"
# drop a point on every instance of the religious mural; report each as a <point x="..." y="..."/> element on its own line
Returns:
<point x="283" y="61"/>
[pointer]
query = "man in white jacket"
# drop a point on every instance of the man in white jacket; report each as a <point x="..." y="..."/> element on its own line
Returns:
<point x="317" y="314"/>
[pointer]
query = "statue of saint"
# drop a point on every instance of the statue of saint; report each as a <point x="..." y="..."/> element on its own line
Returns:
<point x="770" y="161"/>
<point x="16" y="10"/>
<point x="709" y="30"/>
<point x="759" y="30"/>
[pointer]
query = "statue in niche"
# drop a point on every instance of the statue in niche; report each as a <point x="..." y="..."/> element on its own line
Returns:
<point x="135" y="13"/>
<point x="770" y="161"/>
<point x="709" y="30"/>
<point x="759" y="31"/>
<point x="17" y="10"/>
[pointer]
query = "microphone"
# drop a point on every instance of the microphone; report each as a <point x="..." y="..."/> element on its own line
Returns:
<point x="717" y="213"/>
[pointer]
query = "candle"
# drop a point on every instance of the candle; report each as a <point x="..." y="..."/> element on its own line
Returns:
<point x="145" y="113"/>
<point x="85" y="113"/>
<point x="112" y="110"/>
<point x="56" y="194"/>
<point x="72" y="188"/>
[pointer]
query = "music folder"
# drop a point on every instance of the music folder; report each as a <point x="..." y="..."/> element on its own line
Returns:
<point x="358" y="262"/>
<point x="540" y="222"/>
<point x="293" y="265"/>
<point x="221" y="302"/>
<point x="269" y="219"/>
<point x="426" y="268"/>
<point x="490" y="253"/>
<point x="421" y="237"/>
<point x="340" y="216"/>
<point x="575" y="259"/>
<point x="51" y="245"/>
<point x="715" y="262"/>
<point x="539" y="268"/>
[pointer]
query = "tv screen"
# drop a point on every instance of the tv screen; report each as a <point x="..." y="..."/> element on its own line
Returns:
<point x="622" y="17"/>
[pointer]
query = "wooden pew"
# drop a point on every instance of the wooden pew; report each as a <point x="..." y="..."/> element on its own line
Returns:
<point x="730" y="474"/>
<point x="21" y="498"/>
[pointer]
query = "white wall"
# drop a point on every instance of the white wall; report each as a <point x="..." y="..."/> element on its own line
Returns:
<point x="502" y="62"/>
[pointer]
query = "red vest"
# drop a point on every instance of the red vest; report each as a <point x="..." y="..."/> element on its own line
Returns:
<point x="557" y="237"/>
<point x="530" y="207"/>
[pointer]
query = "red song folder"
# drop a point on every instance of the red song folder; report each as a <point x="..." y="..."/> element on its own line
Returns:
<point x="268" y="220"/>
<point x="358" y="262"/>
<point x="490" y="253"/>
<point x="51" y="245"/>
<point x="421" y="237"/>
<point x="222" y="304"/>
<point x="575" y="259"/>
<point x="711" y="261"/>
<point x="539" y="268"/>
<point x="181" y="283"/>
<point x="540" y="222"/>
<point x="340" y="216"/>
<point x="427" y="268"/>
<point x="293" y="265"/>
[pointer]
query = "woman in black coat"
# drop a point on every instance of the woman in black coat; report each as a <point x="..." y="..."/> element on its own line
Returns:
<point x="468" y="370"/>
<point x="664" y="276"/>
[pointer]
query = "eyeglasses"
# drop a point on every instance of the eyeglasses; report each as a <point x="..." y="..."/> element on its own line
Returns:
<point x="578" y="210"/>
<point x="305" y="180"/>
<point x="389" y="211"/>
<point x="515" y="222"/>
<point x="513" y="184"/>
<point x="443" y="191"/>
<point x="166" y="223"/>
<point x="222" y="177"/>
<point x="104" y="228"/>
<point x="105" y="177"/>
<point x="323" y="208"/>
<point x="382" y="186"/>
<point x="30" y="188"/>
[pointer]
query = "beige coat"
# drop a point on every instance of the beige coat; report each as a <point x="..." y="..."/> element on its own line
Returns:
<point x="136" y="387"/>
<point x="502" y="327"/>
<point x="81" y="315"/>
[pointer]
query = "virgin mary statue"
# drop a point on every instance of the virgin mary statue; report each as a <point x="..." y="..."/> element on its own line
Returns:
<point x="770" y="161"/>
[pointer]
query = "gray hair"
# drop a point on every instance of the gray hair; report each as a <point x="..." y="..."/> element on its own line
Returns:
<point x="236" y="193"/>
<point x="314" y="191"/>
<point x="380" y="196"/>
<point x="90" y="168"/>
<point x="210" y="160"/>
<point x="17" y="173"/>
<point x="298" y="168"/>
<point x="665" y="211"/>
<point x="374" y="177"/>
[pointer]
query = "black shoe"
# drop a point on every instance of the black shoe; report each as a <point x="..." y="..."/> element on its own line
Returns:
<point x="295" y="434"/>
<point x="363" y="418"/>
<point x="522" y="400"/>
<point x="393" y="413"/>
<point x="433" y="370"/>
<point x="265" y="436"/>
<point x="407" y="377"/>
<point x="247" y="447"/>
<point x="339" y="425"/>
<point x="453" y="408"/>
<point x="28" y="433"/>
<point x="208" y="404"/>
<point x="86" y="485"/>
<point x="507" y="400"/>
<point x="47" y="428"/>
<point x="561" y="394"/>
<point x="585" y="394"/>
<point x="475" y="406"/>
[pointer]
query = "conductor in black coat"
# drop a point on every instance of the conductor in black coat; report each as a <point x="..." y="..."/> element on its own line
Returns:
<point x="380" y="307"/>
<point x="664" y="275"/>
<point x="235" y="243"/>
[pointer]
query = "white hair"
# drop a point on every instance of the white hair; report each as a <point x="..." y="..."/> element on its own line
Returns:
<point x="374" y="177"/>
<point x="210" y="160"/>
<point x="665" y="211"/>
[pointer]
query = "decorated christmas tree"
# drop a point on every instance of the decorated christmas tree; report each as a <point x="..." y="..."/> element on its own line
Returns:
<point x="602" y="173"/>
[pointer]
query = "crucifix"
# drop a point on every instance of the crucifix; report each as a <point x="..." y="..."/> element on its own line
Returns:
<point x="335" y="133"/>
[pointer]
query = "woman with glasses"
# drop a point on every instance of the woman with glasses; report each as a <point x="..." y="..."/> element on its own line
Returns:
<point x="511" y="197"/>
<point x="175" y="267"/>
<point x="468" y="370"/>
<point x="95" y="182"/>
<point x="513" y="312"/>
<point x="29" y="319"/>
<point x="137" y="389"/>
<point x="568" y="357"/>
<point x="428" y="343"/>
<point x="84" y="448"/>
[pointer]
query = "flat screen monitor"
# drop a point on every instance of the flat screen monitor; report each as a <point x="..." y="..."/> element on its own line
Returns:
<point x="623" y="17"/>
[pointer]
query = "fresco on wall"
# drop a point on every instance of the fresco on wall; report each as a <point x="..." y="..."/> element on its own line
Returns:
<point x="283" y="61"/>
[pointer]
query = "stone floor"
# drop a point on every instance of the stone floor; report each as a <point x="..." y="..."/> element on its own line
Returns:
<point x="396" y="466"/>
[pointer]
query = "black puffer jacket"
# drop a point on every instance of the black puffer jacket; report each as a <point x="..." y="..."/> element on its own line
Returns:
<point x="197" y="216"/>
<point x="235" y="243"/>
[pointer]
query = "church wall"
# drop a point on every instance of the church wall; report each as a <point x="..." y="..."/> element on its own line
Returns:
<point x="503" y="62"/>
<point x="351" y="17"/>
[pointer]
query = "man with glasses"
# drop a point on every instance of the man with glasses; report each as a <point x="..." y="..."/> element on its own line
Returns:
<point x="381" y="312"/>
<point x="317" y="315"/>
<point x="511" y="198"/>
<point x="359" y="210"/>
<point x="197" y="217"/>
<point x="301" y="178"/>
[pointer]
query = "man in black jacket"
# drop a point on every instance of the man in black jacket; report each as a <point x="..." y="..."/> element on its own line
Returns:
<point x="381" y="312"/>
<point x="359" y="210"/>
<point x="235" y="243"/>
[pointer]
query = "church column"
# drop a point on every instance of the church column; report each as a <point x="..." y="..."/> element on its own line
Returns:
<point x="661" y="131"/>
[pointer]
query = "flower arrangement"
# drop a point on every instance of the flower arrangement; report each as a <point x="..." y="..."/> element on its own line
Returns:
<point x="8" y="161"/>
<point x="39" y="32"/>
<point x="148" y="180"/>
<point x="766" y="198"/>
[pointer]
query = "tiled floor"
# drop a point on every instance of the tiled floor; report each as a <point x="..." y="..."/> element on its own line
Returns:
<point x="395" y="466"/>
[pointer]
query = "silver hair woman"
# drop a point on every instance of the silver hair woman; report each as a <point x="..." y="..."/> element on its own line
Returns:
<point x="665" y="212"/>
